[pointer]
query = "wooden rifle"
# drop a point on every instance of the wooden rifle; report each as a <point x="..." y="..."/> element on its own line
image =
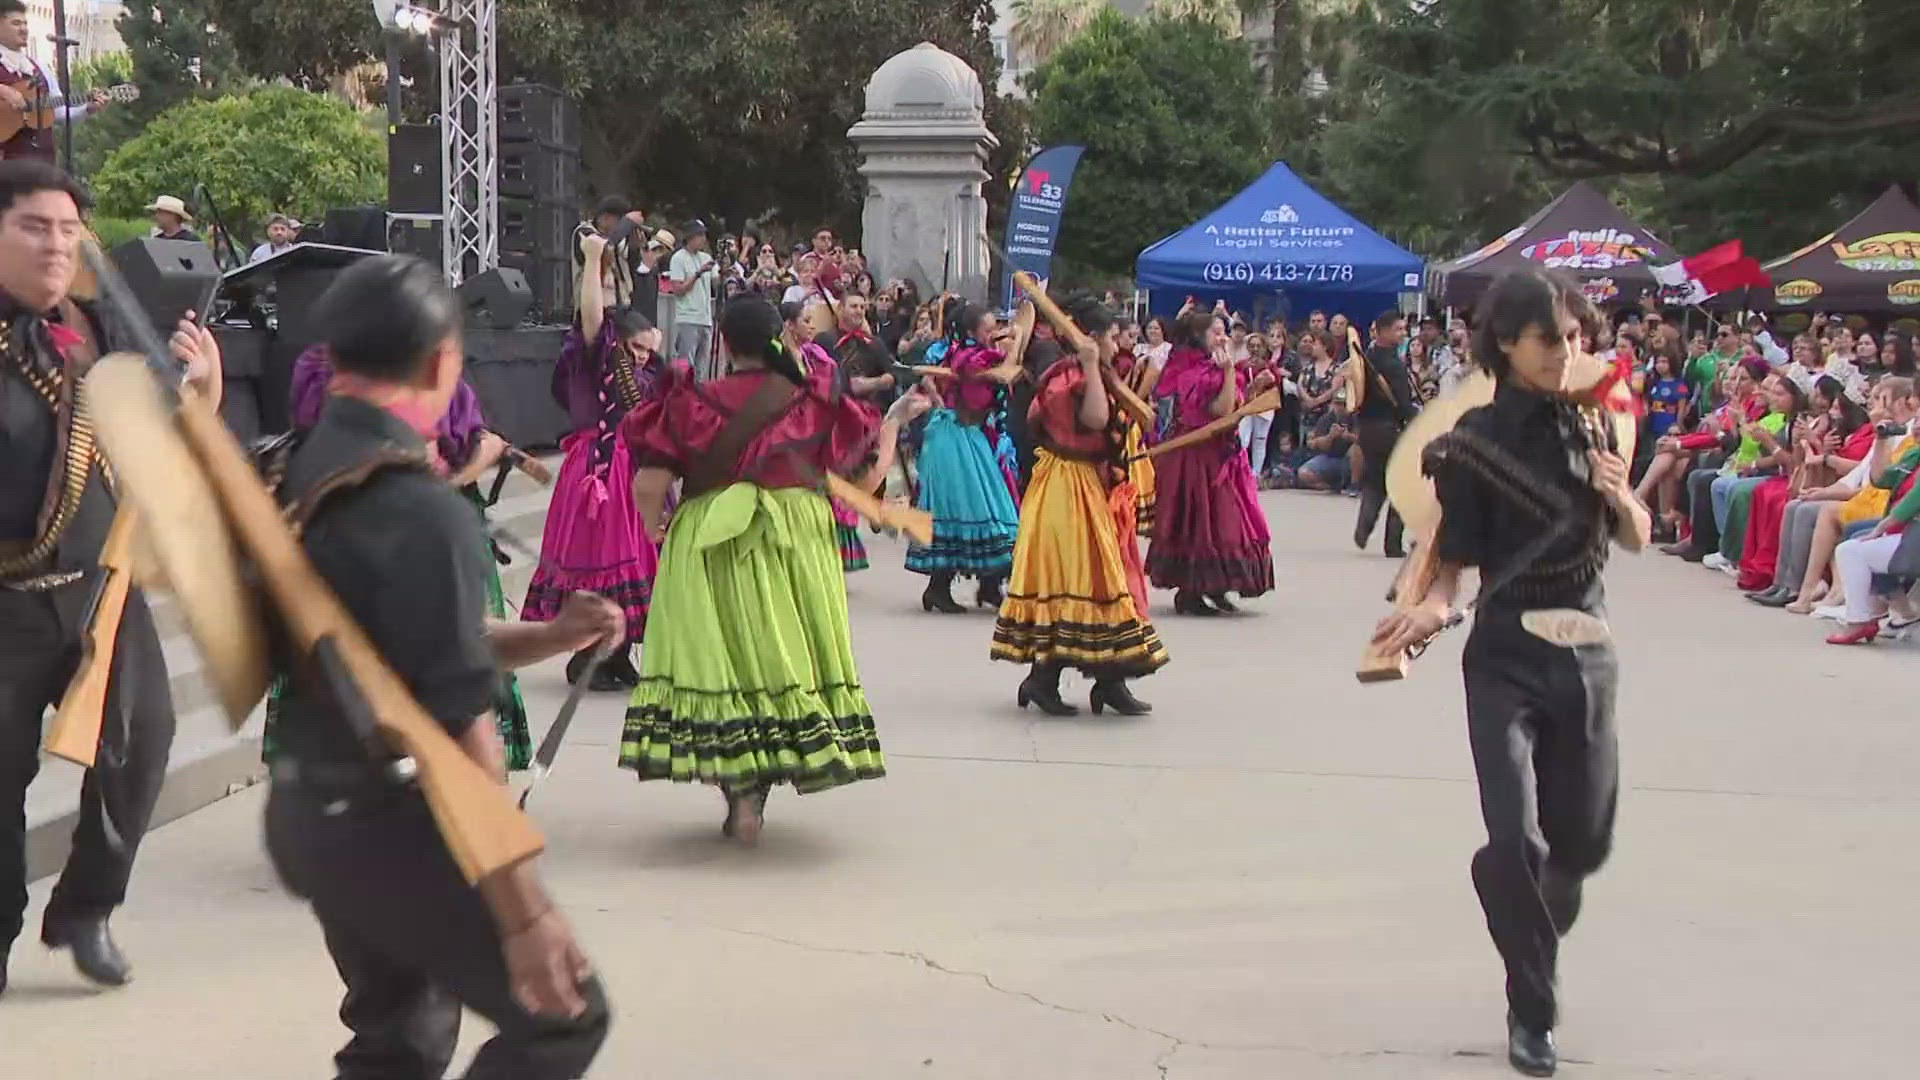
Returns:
<point x="1079" y="342"/>
<point x="483" y="830"/>
<point x="74" y="734"/>
<point x="1265" y="401"/>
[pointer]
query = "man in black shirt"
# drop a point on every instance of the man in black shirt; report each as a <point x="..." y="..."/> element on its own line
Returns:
<point x="1531" y="496"/>
<point x="1387" y="403"/>
<point x="863" y="359"/>
<point x="405" y="555"/>
<point x="55" y="508"/>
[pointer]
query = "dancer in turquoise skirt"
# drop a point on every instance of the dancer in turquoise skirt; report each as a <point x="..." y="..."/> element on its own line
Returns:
<point x="748" y="677"/>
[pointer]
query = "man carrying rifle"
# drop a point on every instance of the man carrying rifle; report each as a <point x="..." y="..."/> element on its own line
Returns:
<point x="347" y="828"/>
<point x="55" y="508"/>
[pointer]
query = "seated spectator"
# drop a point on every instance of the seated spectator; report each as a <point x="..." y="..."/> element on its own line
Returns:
<point x="1786" y="407"/>
<point x="1676" y="455"/>
<point x="1732" y="433"/>
<point x="1894" y="410"/>
<point x="1829" y="442"/>
<point x="1860" y="560"/>
<point x="1896" y="354"/>
<point x="1330" y="449"/>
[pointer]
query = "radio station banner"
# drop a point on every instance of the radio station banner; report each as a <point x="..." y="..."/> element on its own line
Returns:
<point x="1033" y="219"/>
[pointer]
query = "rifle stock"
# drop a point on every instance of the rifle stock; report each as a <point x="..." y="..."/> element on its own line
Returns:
<point x="475" y="813"/>
<point x="74" y="734"/>
<point x="1409" y="589"/>
<point x="1266" y="401"/>
<point x="1077" y="339"/>
<point x="915" y="523"/>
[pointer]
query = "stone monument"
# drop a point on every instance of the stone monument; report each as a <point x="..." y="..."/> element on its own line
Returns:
<point x="924" y="142"/>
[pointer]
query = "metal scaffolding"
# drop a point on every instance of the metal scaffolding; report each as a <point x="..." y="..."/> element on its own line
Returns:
<point x="469" y="140"/>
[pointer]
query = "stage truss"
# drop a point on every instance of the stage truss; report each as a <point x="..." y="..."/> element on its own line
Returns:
<point x="469" y="140"/>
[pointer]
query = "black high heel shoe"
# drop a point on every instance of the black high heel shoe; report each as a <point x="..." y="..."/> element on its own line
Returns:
<point x="1041" y="688"/>
<point x="939" y="596"/>
<point x="1224" y="605"/>
<point x="1186" y="603"/>
<point x="1114" y="694"/>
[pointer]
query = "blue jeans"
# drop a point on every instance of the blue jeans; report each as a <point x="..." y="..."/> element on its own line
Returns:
<point x="1329" y="470"/>
<point x="1722" y="494"/>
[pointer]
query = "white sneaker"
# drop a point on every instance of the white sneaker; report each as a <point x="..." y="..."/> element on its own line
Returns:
<point x="1716" y="561"/>
<point x="1831" y="612"/>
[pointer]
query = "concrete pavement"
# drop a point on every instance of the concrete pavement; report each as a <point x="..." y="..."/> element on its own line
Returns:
<point x="1266" y="878"/>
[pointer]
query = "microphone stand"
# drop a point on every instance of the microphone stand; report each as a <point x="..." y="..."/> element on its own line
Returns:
<point x="62" y="71"/>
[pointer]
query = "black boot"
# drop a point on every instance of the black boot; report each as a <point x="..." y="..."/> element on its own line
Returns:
<point x="94" y="953"/>
<point x="1530" y="1052"/>
<point x="606" y="677"/>
<point x="1187" y="603"/>
<point x="1113" y="694"/>
<point x="991" y="592"/>
<point x="939" y="596"/>
<point x="1396" y="545"/>
<point x="1041" y="687"/>
<point x="1222" y="604"/>
<point x="619" y="667"/>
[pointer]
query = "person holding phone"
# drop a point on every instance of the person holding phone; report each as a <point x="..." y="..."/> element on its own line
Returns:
<point x="690" y="282"/>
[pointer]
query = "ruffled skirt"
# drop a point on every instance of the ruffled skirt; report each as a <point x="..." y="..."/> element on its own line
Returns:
<point x="1210" y="534"/>
<point x="749" y="677"/>
<point x="962" y="486"/>
<point x="1077" y="596"/>
<point x="593" y="539"/>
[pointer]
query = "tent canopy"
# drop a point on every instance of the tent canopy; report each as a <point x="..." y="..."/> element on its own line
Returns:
<point x="1872" y="263"/>
<point x="1581" y="233"/>
<point x="1279" y="247"/>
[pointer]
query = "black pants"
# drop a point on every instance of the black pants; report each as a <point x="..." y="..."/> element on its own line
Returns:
<point x="1540" y="720"/>
<point x="413" y="942"/>
<point x="1706" y="531"/>
<point x="39" y="649"/>
<point x="1377" y="438"/>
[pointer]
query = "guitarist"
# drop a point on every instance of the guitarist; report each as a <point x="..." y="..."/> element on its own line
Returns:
<point x="55" y="509"/>
<point x="25" y="83"/>
<point x="1387" y="404"/>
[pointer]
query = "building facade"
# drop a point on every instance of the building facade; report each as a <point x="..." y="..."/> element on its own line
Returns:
<point x="90" y="22"/>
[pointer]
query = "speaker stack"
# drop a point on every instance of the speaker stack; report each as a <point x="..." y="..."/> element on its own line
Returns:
<point x="539" y="181"/>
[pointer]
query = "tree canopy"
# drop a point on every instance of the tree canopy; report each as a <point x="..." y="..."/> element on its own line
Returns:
<point x="1171" y="114"/>
<point x="276" y="149"/>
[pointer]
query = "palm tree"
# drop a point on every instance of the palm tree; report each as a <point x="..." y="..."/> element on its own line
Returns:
<point x="1223" y="13"/>
<point x="1041" y="26"/>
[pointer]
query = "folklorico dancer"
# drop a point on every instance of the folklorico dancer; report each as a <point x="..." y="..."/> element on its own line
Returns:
<point x="1532" y="489"/>
<point x="962" y="483"/>
<point x="1078" y="595"/>
<point x="462" y="450"/>
<point x="1141" y="377"/>
<point x="592" y="541"/>
<point x="56" y="506"/>
<point x="1210" y="536"/>
<point x="749" y="678"/>
<point x="350" y="828"/>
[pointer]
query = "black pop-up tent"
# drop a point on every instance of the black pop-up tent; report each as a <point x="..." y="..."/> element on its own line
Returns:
<point x="1581" y="233"/>
<point x="1870" y="264"/>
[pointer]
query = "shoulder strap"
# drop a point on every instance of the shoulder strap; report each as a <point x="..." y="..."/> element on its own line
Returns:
<point x="302" y="510"/>
<point x="766" y="402"/>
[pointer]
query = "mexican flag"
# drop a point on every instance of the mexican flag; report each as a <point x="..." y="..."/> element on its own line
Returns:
<point x="1721" y="268"/>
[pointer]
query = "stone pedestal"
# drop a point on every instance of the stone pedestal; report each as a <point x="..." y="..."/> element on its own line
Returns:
<point x="924" y="142"/>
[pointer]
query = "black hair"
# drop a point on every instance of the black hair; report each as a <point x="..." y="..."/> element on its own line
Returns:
<point x="20" y="177"/>
<point x="628" y="321"/>
<point x="1903" y="356"/>
<point x="1386" y="319"/>
<point x="1800" y="399"/>
<point x="791" y="310"/>
<point x="1091" y="314"/>
<point x="611" y="206"/>
<point x="385" y="317"/>
<point x="1528" y="299"/>
<point x="1190" y="330"/>
<point x="751" y="328"/>
<point x="15" y="7"/>
<point x="1853" y="415"/>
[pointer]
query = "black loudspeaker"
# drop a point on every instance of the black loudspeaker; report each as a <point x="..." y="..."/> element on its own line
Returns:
<point x="549" y="284"/>
<point x="168" y="277"/>
<point x="498" y="298"/>
<point x="414" y="236"/>
<point x="357" y="227"/>
<point x="532" y="227"/>
<point x="414" y="180"/>
<point x="541" y="172"/>
<point x="530" y="112"/>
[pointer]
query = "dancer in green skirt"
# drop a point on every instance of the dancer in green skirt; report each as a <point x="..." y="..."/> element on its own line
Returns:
<point x="748" y="678"/>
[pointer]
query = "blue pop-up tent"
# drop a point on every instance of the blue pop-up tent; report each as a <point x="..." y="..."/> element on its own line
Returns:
<point x="1279" y="247"/>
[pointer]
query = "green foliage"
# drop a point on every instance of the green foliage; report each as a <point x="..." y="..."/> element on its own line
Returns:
<point x="306" y="43"/>
<point x="172" y="55"/>
<point x="276" y="149"/>
<point x="731" y="109"/>
<point x="112" y="231"/>
<point x="1170" y="113"/>
<point x="1446" y="123"/>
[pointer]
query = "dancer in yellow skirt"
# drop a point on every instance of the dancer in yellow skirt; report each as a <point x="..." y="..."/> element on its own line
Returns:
<point x="1078" y="595"/>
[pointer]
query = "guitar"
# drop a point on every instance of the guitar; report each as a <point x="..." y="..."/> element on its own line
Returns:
<point x="36" y="111"/>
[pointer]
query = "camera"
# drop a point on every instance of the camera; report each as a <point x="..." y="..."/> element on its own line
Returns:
<point x="1890" y="429"/>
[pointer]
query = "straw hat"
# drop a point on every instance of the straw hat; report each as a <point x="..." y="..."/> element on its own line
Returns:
<point x="172" y="205"/>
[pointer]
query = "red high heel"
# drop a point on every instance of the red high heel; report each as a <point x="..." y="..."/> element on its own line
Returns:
<point x="1858" y="634"/>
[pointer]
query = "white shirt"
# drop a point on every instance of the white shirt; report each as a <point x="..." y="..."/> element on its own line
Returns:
<point x="267" y="251"/>
<point x="23" y="65"/>
<point x="799" y="294"/>
<point x="693" y="304"/>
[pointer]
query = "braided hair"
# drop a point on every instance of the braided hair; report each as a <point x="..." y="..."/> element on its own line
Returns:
<point x="752" y="327"/>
